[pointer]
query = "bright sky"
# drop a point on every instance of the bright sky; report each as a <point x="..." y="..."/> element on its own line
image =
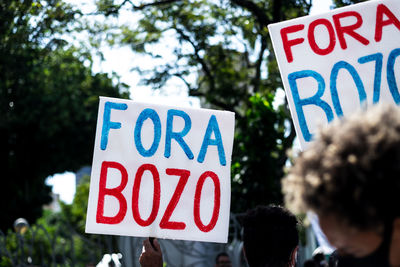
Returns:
<point x="121" y="61"/>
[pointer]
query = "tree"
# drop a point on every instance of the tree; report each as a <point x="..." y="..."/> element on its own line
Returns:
<point x="48" y="103"/>
<point x="223" y="55"/>
<point x="341" y="3"/>
<point x="70" y="223"/>
<point x="56" y="238"/>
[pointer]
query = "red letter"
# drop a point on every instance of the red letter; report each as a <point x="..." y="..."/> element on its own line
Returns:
<point x="287" y="44"/>
<point x="165" y="222"/>
<point x="197" y="196"/>
<point x="350" y="30"/>
<point x="382" y="9"/>
<point x="156" y="195"/>
<point x="116" y="192"/>
<point x="311" y="37"/>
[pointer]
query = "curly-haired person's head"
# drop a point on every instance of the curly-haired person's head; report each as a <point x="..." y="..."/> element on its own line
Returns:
<point x="270" y="237"/>
<point x="350" y="177"/>
<point x="351" y="170"/>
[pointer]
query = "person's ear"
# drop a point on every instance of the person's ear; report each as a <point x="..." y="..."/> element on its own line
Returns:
<point x="293" y="256"/>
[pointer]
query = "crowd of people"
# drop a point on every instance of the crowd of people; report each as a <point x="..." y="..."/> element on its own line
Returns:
<point x="350" y="178"/>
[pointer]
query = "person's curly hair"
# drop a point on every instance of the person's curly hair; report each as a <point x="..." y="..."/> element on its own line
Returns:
<point x="351" y="170"/>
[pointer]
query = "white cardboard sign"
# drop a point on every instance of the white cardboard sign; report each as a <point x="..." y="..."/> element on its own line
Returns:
<point x="161" y="171"/>
<point x="333" y="64"/>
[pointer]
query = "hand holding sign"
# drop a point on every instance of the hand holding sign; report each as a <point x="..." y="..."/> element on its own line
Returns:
<point x="161" y="171"/>
<point x="151" y="255"/>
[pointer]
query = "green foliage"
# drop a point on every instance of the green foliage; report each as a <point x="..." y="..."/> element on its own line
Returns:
<point x="70" y="222"/>
<point x="39" y="244"/>
<point x="222" y="53"/>
<point x="75" y="213"/>
<point x="56" y="237"/>
<point x="341" y="3"/>
<point x="257" y="154"/>
<point x="48" y="102"/>
<point x="87" y="247"/>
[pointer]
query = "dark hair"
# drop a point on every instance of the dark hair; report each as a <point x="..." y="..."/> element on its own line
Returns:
<point x="310" y="263"/>
<point x="221" y="254"/>
<point x="351" y="170"/>
<point x="269" y="236"/>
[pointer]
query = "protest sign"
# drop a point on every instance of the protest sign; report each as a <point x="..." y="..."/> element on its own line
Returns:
<point x="161" y="171"/>
<point x="333" y="64"/>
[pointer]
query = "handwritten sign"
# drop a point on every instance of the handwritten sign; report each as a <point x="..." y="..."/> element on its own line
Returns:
<point x="161" y="171"/>
<point x="335" y="63"/>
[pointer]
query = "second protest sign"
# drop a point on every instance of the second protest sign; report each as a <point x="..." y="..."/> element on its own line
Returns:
<point x="332" y="64"/>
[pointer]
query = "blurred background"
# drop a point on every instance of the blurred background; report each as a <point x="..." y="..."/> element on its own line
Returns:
<point x="58" y="56"/>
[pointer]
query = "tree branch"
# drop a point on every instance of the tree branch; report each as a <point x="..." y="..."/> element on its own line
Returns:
<point x="115" y="8"/>
<point x="203" y="64"/>
<point x="276" y="10"/>
<point x="258" y="12"/>
<point x="309" y="5"/>
<point x="180" y="76"/>
<point x="257" y="78"/>
<point x="213" y="101"/>
<point x="143" y="6"/>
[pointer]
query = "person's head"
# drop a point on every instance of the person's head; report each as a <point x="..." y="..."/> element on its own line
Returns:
<point x="223" y="260"/>
<point x="270" y="237"/>
<point x="349" y="176"/>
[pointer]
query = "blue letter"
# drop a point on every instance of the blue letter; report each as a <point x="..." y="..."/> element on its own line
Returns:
<point x="107" y="124"/>
<point x="144" y="115"/>
<point x="207" y="141"/>
<point x="314" y="100"/>
<point x="378" y="58"/>
<point x="179" y="135"/>
<point x="391" y="77"/>
<point x="360" y="87"/>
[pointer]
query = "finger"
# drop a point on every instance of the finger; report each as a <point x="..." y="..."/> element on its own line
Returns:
<point x="156" y="245"/>
<point x="147" y="245"/>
